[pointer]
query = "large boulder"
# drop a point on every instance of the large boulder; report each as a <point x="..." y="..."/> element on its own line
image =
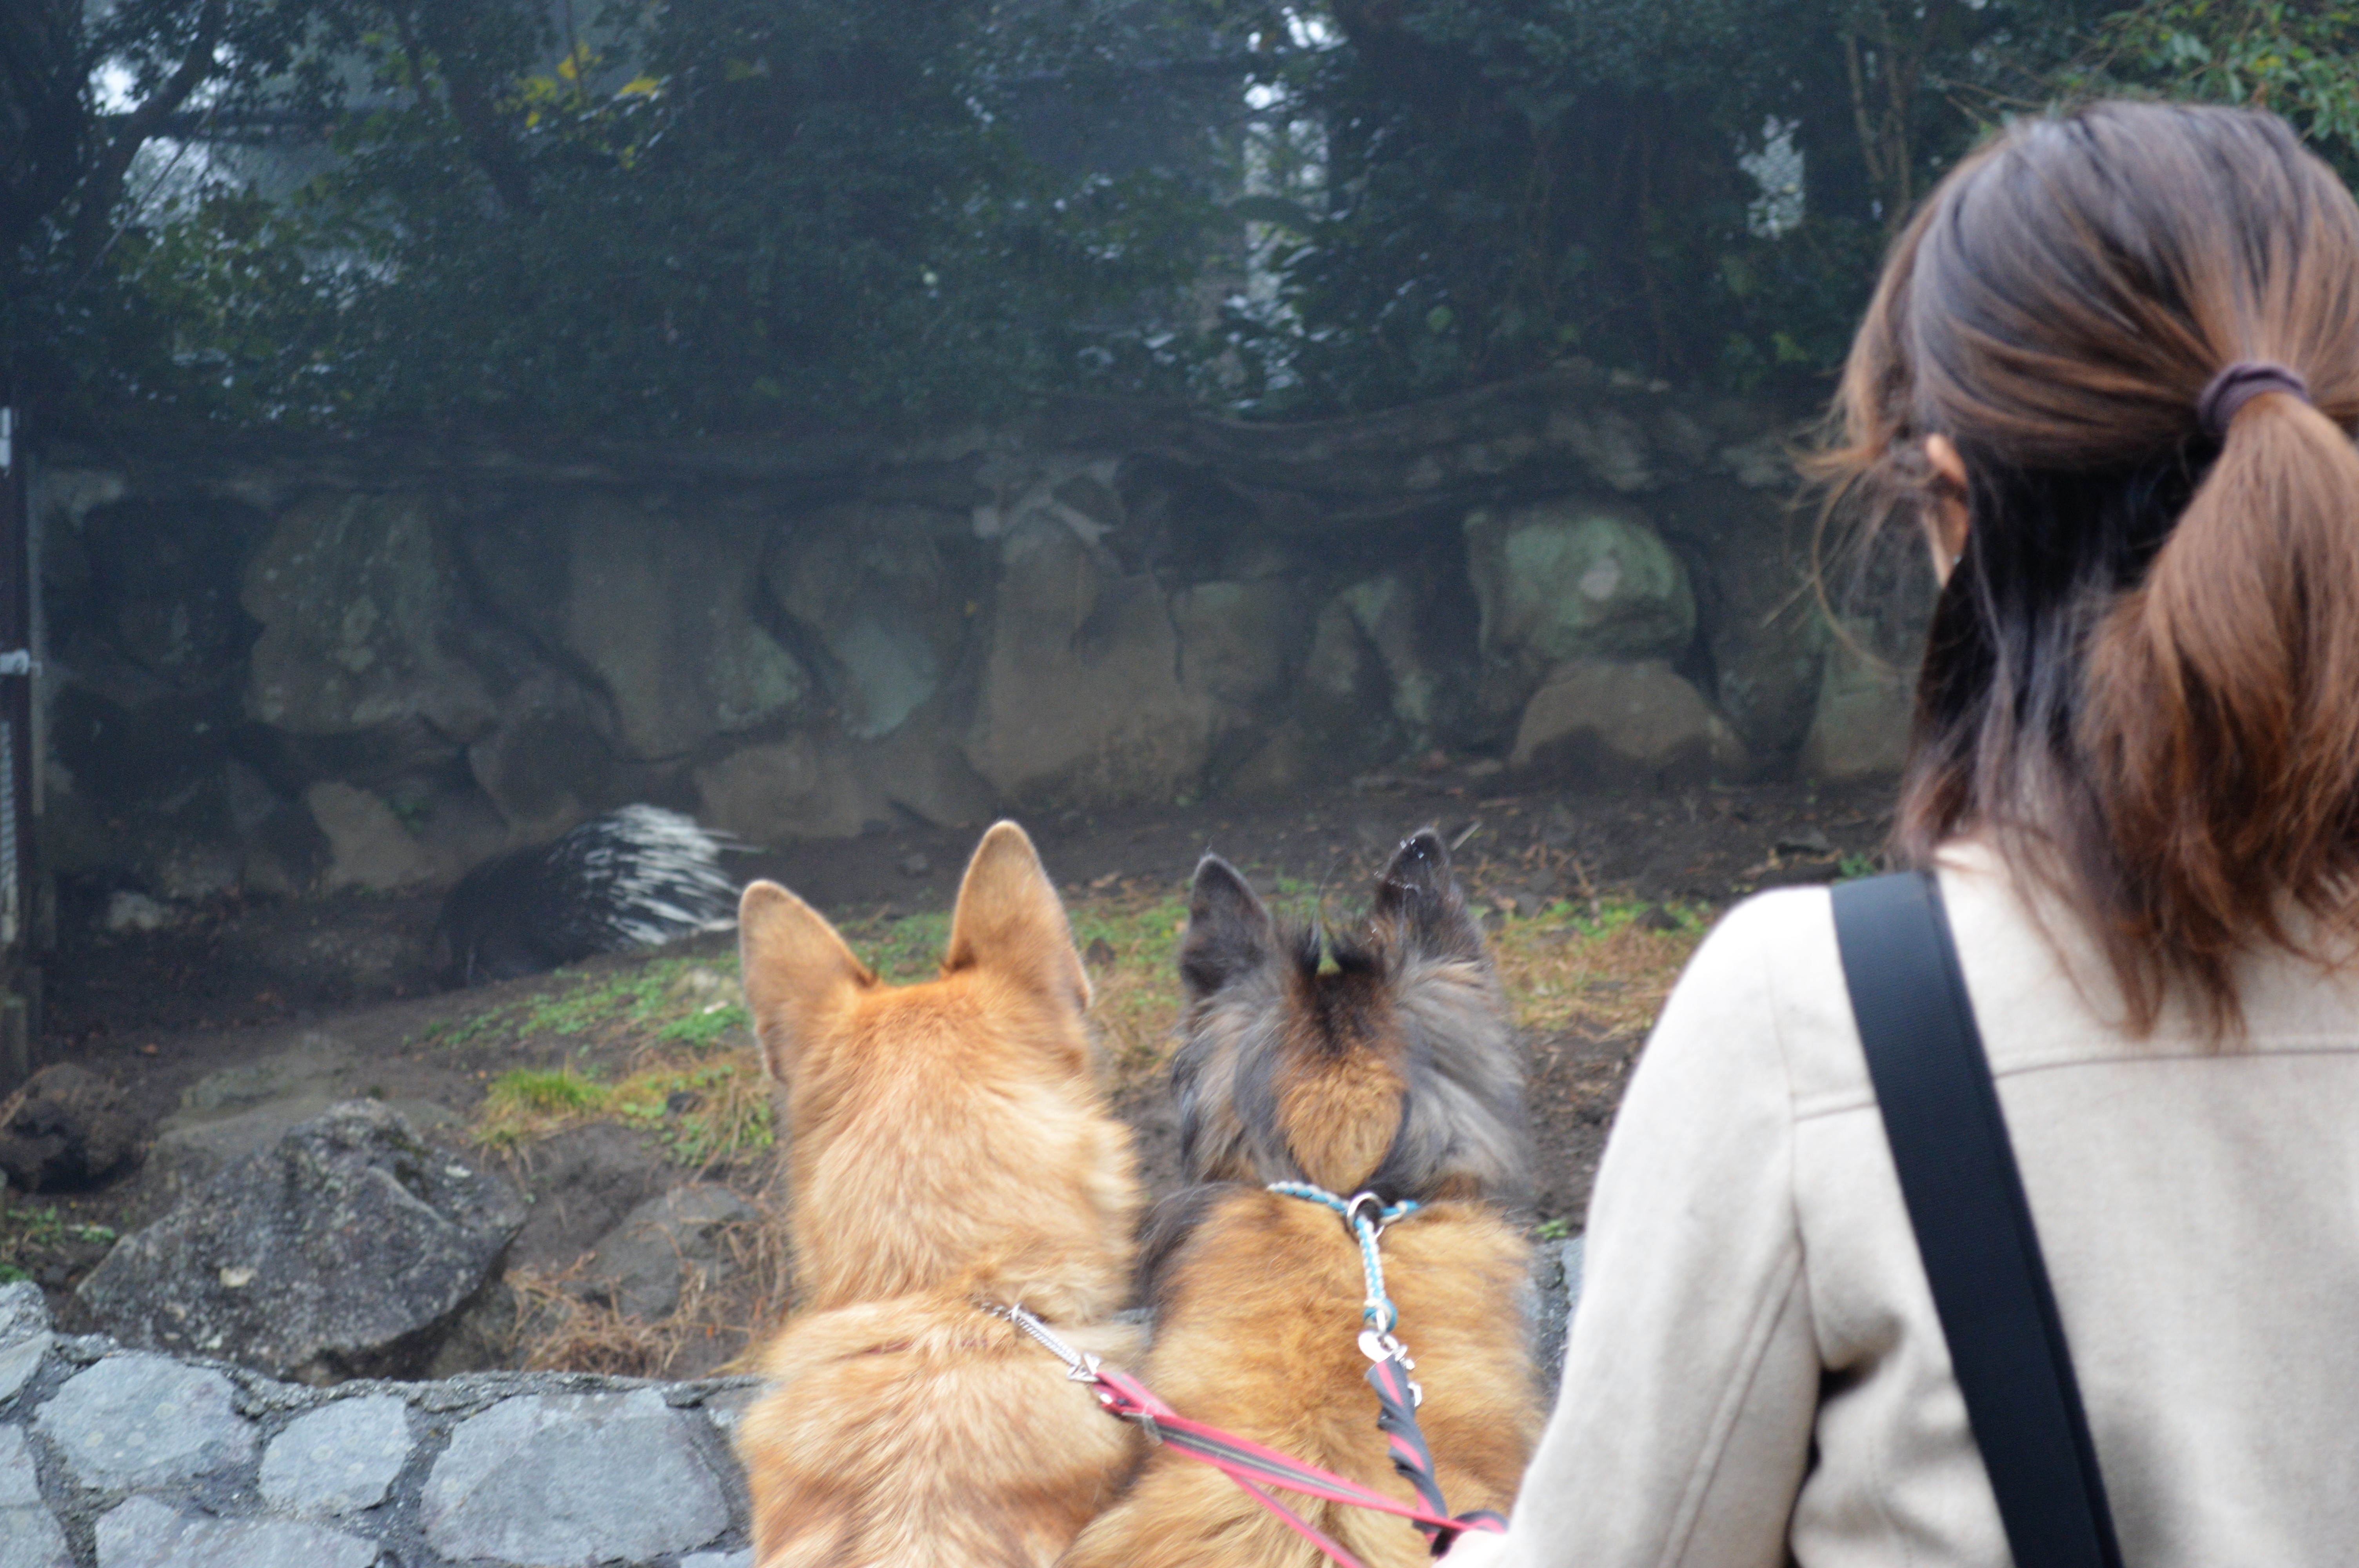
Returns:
<point x="1342" y="699"/>
<point x="1234" y="638"/>
<point x="550" y="764"/>
<point x="1385" y="610"/>
<point x="69" y="1128"/>
<point x="879" y="590"/>
<point x="812" y="785"/>
<point x="1571" y="579"/>
<point x="358" y="604"/>
<point x="163" y="585"/>
<point x="347" y="1248"/>
<point x="1761" y="621"/>
<point x="430" y="843"/>
<point x="1861" y="727"/>
<point x="1611" y="722"/>
<point x="368" y="847"/>
<point x="1083" y="696"/>
<point x="662" y="610"/>
<point x="643" y="1265"/>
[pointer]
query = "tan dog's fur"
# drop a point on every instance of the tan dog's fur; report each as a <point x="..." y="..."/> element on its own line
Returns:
<point x="1392" y="1069"/>
<point x="1256" y="1334"/>
<point x="947" y="1143"/>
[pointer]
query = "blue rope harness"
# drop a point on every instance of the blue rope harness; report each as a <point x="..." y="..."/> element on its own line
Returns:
<point x="1365" y="1216"/>
<point x="1398" y="1395"/>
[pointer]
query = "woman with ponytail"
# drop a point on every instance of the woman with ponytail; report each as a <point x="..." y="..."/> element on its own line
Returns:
<point x="2110" y="375"/>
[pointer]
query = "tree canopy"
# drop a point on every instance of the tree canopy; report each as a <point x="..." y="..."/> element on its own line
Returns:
<point x="743" y="215"/>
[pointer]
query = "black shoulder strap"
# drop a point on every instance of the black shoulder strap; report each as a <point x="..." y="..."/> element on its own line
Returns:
<point x="1973" y="1227"/>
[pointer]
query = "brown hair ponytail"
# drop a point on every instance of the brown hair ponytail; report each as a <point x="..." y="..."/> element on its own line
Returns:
<point x="2143" y="679"/>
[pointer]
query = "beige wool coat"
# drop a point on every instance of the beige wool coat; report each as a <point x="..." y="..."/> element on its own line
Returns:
<point x="1756" y="1374"/>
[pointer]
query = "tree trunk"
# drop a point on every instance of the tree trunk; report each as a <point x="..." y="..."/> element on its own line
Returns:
<point x="102" y="189"/>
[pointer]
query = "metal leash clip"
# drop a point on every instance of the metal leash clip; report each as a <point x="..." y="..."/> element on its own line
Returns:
<point x="1081" y="1366"/>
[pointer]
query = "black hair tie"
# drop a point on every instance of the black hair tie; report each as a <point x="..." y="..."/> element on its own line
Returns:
<point x="2225" y="397"/>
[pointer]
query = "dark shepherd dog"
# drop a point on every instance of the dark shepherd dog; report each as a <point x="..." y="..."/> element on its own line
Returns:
<point x="1395" y="1071"/>
<point x="1381" y="1063"/>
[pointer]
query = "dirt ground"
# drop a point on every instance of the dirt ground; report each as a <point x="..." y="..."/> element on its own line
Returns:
<point x="156" y="1011"/>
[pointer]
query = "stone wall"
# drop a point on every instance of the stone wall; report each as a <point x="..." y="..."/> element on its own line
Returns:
<point x="115" y="1458"/>
<point x="300" y="666"/>
<point x="112" y="1458"/>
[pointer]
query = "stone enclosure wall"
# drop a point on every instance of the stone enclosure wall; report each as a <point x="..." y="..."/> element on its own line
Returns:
<point x="116" y="1458"/>
<point x="298" y="667"/>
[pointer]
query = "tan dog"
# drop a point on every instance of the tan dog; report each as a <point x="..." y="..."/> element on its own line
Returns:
<point x="1391" y="1068"/>
<point x="946" y="1144"/>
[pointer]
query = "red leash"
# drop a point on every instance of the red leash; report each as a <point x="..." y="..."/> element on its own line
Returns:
<point x="1254" y="1468"/>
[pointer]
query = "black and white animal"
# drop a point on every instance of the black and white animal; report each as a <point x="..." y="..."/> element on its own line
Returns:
<point x="635" y="878"/>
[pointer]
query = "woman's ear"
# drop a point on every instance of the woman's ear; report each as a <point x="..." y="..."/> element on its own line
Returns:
<point x="1946" y="520"/>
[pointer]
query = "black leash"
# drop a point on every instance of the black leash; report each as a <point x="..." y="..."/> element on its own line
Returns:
<point x="1973" y="1226"/>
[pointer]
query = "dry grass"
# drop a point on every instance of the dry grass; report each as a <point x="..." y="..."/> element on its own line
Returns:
<point x="561" y="1328"/>
<point x="557" y="1331"/>
<point x="1608" y="971"/>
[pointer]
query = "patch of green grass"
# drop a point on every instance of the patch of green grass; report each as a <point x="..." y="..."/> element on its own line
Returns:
<point x="690" y="1001"/>
<point x="701" y="1110"/>
<point x="1605" y="966"/>
<point x="702" y="1113"/>
<point x="528" y="1103"/>
<point x="29" y="1229"/>
<point x="694" y="1080"/>
<point x="705" y="1027"/>
<point x="1855" y="866"/>
<point x="1557" y="1229"/>
<point x="547" y="1091"/>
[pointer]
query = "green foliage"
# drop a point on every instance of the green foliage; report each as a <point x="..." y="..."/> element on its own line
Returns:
<point x="2300" y="60"/>
<point x="745" y="215"/>
<point x="728" y="216"/>
<point x="1510" y="184"/>
<point x="690" y="1001"/>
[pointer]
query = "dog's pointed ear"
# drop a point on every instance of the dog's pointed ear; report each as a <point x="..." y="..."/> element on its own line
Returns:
<point x="1230" y="934"/>
<point x="1009" y="919"/>
<point x="1418" y="897"/>
<point x="796" y="971"/>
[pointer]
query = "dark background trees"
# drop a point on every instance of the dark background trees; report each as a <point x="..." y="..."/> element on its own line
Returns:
<point x="564" y="217"/>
